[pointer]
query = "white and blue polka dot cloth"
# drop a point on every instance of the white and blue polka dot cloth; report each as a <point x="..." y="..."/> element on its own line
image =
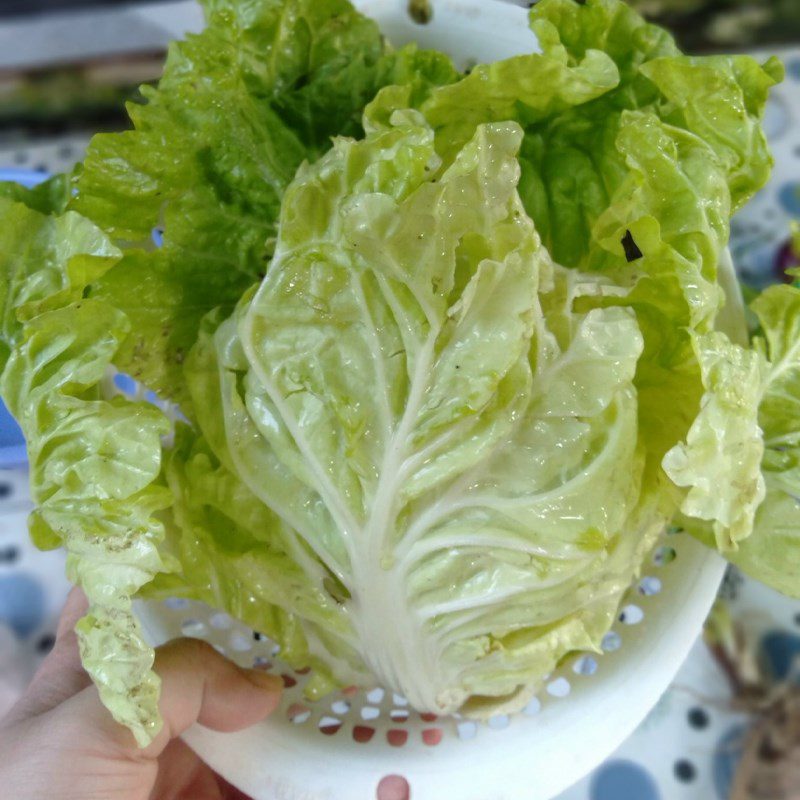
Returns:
<point x="688" y="747"/>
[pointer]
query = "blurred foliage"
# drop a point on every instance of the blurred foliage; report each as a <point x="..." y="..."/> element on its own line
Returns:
<point x="90" y="95"/>
<point x="725" y="24"/>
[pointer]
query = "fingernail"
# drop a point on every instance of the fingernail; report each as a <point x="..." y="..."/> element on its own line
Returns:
<point x="263" y="680"/>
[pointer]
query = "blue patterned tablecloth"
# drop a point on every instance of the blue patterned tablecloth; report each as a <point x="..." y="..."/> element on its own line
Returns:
<point x="687" y="747"/>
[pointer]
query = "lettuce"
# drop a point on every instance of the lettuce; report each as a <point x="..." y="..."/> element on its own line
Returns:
<point x="438" y="355"/>
<point x="749" y="432"/>
<point x="239" y="107"/>
<point x="85" y="292"/>
<point x="720" y="462"/>
<point x="400" y="417"/>
<point x="94" y="462"/>
<point x="613" y="113"/>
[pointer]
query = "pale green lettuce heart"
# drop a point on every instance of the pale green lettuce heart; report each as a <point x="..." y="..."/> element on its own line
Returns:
<point x="393" y="391"/>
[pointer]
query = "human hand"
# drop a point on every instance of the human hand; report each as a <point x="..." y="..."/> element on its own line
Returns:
<point x="60" y="743"/>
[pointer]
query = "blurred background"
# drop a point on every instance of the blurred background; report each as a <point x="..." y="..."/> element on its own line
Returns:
<point x="67" y="67"/>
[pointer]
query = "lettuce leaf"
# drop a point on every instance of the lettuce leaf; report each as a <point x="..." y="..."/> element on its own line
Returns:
<point x="391" y="390"/>
<point x="772" y="553"/>
<point x="94" y="463"/>
<point x="51" y="196"/>
<point x="778" y="313"/>
<point x="721" y="459"/>
<point x="742" y="454"/>
<point x="612" y="114"/>
<point x="236" y="553"/>
<point x="239" y="107"/>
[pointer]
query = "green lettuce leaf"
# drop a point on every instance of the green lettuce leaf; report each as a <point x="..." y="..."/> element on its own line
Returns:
<point x="48" y="197"/>
<point x="239" y="107"/>
<point x="236" y="553"/>
<point x="94" y="462"/>
<point x="45" y="262"/>
<point x="721" y="459"/>
<point x="778" y="313"/>
<point x="772" y="553"/>
<point x="612" y="114"/>
<point x="741" y="460"/>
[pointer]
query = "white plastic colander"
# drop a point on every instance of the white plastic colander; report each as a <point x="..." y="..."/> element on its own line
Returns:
<point x="342" y="747"/>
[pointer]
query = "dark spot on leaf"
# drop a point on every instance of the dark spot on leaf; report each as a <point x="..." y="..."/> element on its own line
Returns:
<point x="632" y="251"/>
<point x="336" y="589"/>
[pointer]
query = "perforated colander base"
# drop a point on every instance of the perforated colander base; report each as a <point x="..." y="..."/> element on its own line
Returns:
<point x="362" y="713"/>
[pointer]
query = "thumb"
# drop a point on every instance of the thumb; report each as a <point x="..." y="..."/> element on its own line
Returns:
<point x="197" y="685"/>
<point x="61" y="675"/>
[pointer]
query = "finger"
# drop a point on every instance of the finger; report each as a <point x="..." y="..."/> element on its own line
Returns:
<point x="393" y="787"/>
<point x="202" y="786"/>
<point x="197" y="685"/>
<point x="75" y="607"/>
<point x="230" y="792"/>
<point x="61" y="674"/>
<point x="180" y="770"/>
<point x="182" y="775"/>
